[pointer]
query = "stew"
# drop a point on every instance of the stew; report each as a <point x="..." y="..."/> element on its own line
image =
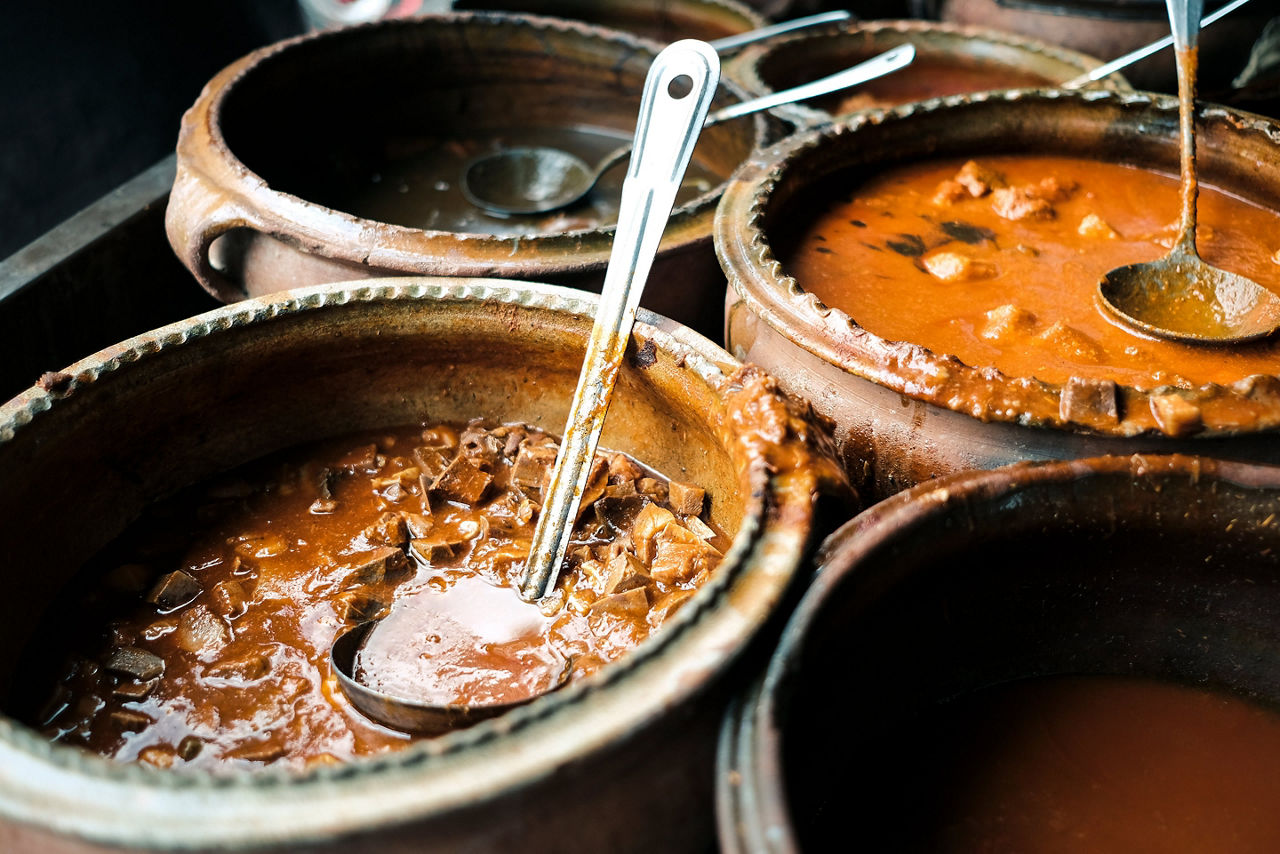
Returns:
<point x="201" y="637"/>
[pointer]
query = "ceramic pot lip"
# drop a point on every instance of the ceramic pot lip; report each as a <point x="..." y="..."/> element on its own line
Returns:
<point x="74" y="793"/>
<point x="756" y="277"/>
<point x="931" y="38"/>
<point x="203" y="148"/>
<point x="755" y="810"/>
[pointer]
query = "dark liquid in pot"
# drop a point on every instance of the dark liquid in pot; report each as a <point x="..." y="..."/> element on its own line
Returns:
<point x="1068" y="764"/>
<point x="419" y="183"/>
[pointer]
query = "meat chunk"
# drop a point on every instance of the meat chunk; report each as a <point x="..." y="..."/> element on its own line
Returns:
<point x="376" y="565"/>
<point x="533" y="463"/>
<point x="173" y="590"/>
<point x="135" y="663"/>
<point x="950" y="192"/>
<point x="633" y="603"/>
<point x="202" y="633"/>
<point x="1007" y="322"/>
<point x="1017" y="203"/>
<point x="685" y="498"/>
<point x="480" y="446"/>
<point x="1071" y="343"/>
<point x="1176" y="415"/>
<point x="623" y="572"/>
<point x="228" y="598"/>
<point x="462" y="481"/>
<point x="949" y="266"/>
<point x="1093" y="225"/>
<point x="978" y="180"/>
<point x="390" y="529"/>
<point x="1089" y="401"/>
<point x="248" y="667"/>
<point x="678" y="555"/>
<point x="362" y="458"/>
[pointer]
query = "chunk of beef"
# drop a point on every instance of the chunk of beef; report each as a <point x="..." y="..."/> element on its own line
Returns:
<point x="373" y="567"/>
<point x="533" y="465"/>
<point x="173" y="590"/>
<point x="246" y="667"/>
<point x="390" y="529"/>
<point x="978" y="180"/>
<point x="134" y="663"/>
<point x="1017" y="203"/>
<point x="1089" y="401"/>
<point x="228" y="598"/>
<point x="950" y="266"/>
<point x="685" y="498"/>
<point x="461" y="481"/>
<point x="1176" y="415"/>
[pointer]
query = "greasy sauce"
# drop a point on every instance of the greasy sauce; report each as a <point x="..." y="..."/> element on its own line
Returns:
<point x="1071" y="764"/>
<point x="933" y="77"/>
<point x="1024" y="303"/>
<point x="201" y="638"/>
<point x="419" y="184"/>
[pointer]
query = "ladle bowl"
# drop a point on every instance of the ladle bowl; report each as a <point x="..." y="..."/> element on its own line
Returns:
<point x="532" y="180"/>
<point x="1180" y="297"/>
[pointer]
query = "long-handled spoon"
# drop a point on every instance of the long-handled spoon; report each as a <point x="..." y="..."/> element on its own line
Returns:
<point x="539" y="179"/>
<point x="674" y="105"/>
<point x="1180" y="297"/>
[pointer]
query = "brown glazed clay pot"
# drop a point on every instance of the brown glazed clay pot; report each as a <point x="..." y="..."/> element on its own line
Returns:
<point x="282" y="143"/>
<point x="950" y="60"/>
<point x="904" y="413"/>
<point x="1160" y="567"/>
<point x="83" y="454"/>
<point x="665" y="21"/>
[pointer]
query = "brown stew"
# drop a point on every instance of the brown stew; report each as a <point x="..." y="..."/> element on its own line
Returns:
<point x="933" y="77"/>
<point x="1069" y="764"/>
<point x="201" y="637"/>
<point x="996" y="262"/>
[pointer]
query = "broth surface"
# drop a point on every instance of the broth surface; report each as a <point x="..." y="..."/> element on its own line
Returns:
<point x="419" y="183"/>
<point x="201" y="638"/>
<point x="1070" y="764"/>
<point x="997" y="262"/>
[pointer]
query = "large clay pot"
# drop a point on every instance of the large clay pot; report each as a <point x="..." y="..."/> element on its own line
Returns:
<point x="588" y="767"/>
<point x="1157" y="567"/>
<point x="664" y="21"/>
<point x="282" y="135"/>
<point x="901" y="414"/>
<point x="950" y="60"/>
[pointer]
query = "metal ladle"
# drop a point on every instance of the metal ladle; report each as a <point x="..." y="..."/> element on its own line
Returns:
<point x="677" y="95"/>
<point x="1180" y="297"/>
<point x="538" y="180"/>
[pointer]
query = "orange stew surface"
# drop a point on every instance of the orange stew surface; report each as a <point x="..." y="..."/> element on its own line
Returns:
<point x="201" y="637"/>
<point x="996" y="261"/>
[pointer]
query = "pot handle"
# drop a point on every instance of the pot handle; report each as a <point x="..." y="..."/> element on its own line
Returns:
<point x="196" y="216"/>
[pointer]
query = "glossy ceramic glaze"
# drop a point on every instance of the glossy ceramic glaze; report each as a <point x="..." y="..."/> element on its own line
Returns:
<point x="263" y="148"/>
<point x="901" y="413"/>
<point x="955" y="585"/>
<point x="95" y="443"/>
<point x="782" y="62"/>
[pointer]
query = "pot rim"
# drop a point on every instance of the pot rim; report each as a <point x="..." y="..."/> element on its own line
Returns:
<point x="310" y="226"/>
<point x="746" y="66"/>
<point x="69" y="791"/>
<point x="753" y="814"/>
<point x="757" y="278"/>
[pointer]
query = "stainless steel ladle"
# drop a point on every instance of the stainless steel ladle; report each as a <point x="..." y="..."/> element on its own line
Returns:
<point x="538" y="180"/>
<point x="677" y="95"/>
<point x="1180" y="297"/>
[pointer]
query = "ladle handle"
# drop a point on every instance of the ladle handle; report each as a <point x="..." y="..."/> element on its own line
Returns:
<point x="729" y="43"/>
<point x="1184" y="23"/>
<point x="673" y="107"/>
<point x="878" y="66"/>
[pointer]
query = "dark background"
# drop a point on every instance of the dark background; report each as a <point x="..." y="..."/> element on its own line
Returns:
<point x="91" y="93"/>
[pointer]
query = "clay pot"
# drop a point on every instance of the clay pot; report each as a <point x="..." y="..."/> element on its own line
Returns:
<point x="663" y="22"/>
<point x="586" y="767"/>
<point x="1160" y="567"/>
<point x="905" y="413"/>
<point x="284" y="136"/>
<point x="1112" y="28"/>
<point x="948" y="60"/>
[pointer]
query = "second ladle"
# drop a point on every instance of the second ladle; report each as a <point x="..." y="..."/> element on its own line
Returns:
<point x="677" y="95"/>
<point x="540" y="180"/>
<point x="1180" y="297"/>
